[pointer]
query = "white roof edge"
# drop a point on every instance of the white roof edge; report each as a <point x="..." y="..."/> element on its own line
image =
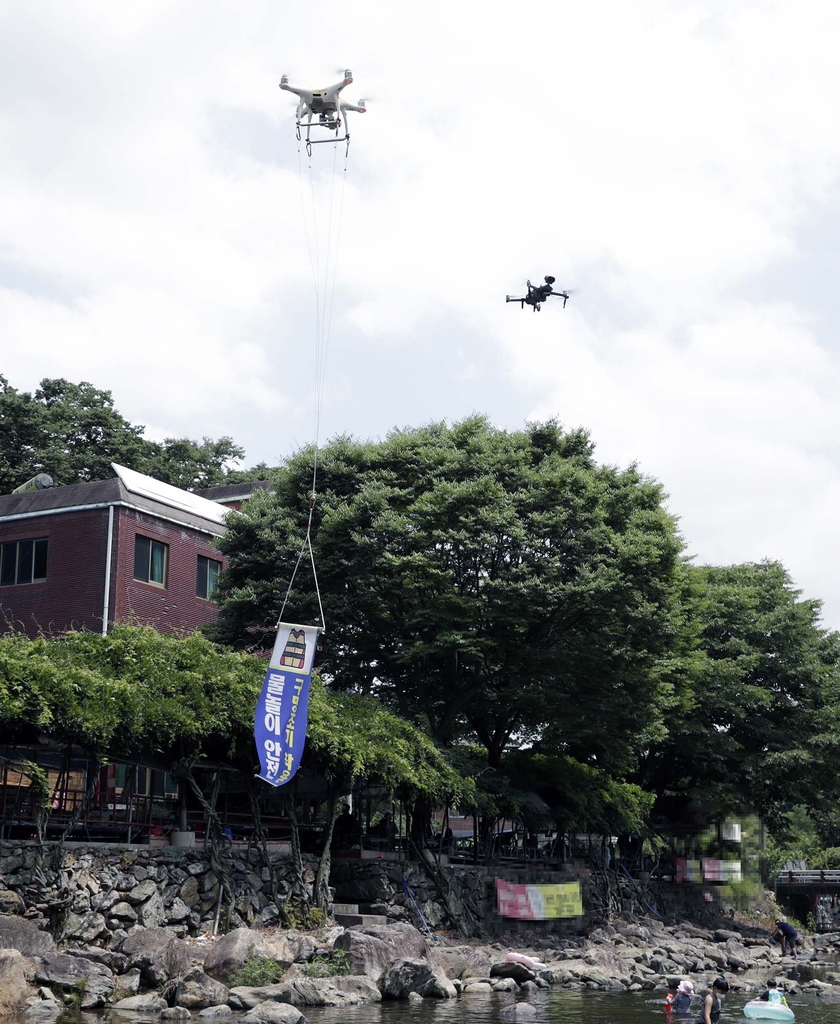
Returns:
<point x="166" y="494"/>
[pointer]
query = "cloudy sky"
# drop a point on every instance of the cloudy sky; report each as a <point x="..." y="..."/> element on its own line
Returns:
<point x="675" y="163"/>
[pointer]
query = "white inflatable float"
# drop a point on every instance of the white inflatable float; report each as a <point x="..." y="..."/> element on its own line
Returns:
<point x="761" y="1009"/>
<point x="527" y="961"/>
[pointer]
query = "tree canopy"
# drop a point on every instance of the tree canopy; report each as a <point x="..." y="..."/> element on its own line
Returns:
<point x="490" y="586"/>
<point x="139" y="693"/>
<point x="760" y="723"/>
<point x="73" y="432"/>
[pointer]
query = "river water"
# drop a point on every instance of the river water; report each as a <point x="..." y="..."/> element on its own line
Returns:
<point x="557" y="1006"/>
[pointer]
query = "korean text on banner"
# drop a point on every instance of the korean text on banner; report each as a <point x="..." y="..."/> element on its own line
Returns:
<point x="538" y="902"/>
<point x="280" y="718"/>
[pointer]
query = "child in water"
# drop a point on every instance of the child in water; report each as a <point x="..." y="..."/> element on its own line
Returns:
<point x="773" y="995"/>
<point x="681" y="1001"/>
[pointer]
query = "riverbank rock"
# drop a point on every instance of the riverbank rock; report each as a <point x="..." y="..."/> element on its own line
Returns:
<point x="94" y="982"/>
<point x="85" y="928"/>
<point x="458" y="961"/>
<point x="158" y="954"/>
<point x="148" y="1002"/>
<point x="349" y="990"/>
<point x="231" y="952"/>
<point x="13" y="988"/>
<point x="22" y="935"/>
<point x="373" y="948"/>
<point x="519" y="1011"/>
<point x="275" y="1013"/>
<point x="369" y="956"/>
<point x="197" y="990"/>
<point x="411" y="975"/>
<point x="506" y="969"/>
<point x="11" y="902"/>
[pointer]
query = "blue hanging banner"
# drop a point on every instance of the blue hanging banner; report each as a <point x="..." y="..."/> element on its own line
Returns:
<point x="280" y="719"/>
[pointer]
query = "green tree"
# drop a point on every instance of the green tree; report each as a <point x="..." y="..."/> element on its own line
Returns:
<point x="760" y="728"/>
<point x="136" y="693"/>
<point x="74" y="433"/>
<point x="483" y="583"/>
<point x="192" y="465"/>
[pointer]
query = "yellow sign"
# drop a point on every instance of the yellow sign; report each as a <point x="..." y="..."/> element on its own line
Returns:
<point x="539" y="902"/>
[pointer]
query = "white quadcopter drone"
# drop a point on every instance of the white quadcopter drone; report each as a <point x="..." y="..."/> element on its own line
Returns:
<point x="326" y="105"/>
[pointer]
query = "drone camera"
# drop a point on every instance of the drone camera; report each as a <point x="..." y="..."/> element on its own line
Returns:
<point x="549" y="279"/>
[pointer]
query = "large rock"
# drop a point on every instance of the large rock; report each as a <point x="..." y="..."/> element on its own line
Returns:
<point x="13" y="990"/>
<point x="246" y="997"/>
<point x="159" y="955"/>
<point x="11" y="902"/>
<point x="231" y="952"/>
<point x="197" y="990"/>
<point x="289" y="946"/>
<point x="411" y="975"/>
<point x="506" y="969"/>
<point x="519" y="1011"/>
<point x="373" y="947"/>
<point x="127" y="984"/>
<point x="404" y="939"/>
<point x="148" y="1002"/>
<point x="350" y="990"/>
<point x="94" y="981"/>
<point x="275" y="1013"/>
<point x="116" y="961"/>
<point x="369" y="956"/>
<point x="152" y="913"/>
<point x="458" y="961"/>
<point x="124" y="911"/>
<point x="84" y="928"/>
<point x="22" y="935"/>
<point x="142" y="891"/>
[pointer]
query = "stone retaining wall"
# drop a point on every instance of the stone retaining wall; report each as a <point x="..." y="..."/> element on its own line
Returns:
<point x="113" y="888"/>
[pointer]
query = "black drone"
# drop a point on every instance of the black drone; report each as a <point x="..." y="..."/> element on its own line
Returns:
<point x="537" y="295"/>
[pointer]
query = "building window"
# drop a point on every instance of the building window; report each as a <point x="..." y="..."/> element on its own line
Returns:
<point x="23" y="561"/>
<point x="207" y="578"/>
<point x="150" y="561"/>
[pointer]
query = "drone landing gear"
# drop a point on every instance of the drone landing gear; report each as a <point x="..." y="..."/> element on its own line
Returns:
<point x="309" y="142"/>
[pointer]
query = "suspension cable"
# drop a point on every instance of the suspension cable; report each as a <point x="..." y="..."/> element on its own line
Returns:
<point x="324" y="304"/>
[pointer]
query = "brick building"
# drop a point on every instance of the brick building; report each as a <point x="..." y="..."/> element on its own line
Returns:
<point x="130" y="548"/>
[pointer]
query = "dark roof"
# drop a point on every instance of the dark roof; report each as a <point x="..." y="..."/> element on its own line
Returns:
<point x="98" y="492"/>
<point x="230" y="492"/>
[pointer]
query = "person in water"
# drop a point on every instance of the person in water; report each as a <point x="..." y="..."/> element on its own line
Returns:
<point x="711" y="1004"/>
<point x="773" y="994"/>
<point x="681" y="1001"/>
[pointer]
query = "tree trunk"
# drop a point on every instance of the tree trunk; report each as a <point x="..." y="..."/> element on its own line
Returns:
<point x="321" y="889"/>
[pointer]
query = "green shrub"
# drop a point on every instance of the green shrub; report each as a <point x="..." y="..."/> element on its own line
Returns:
<point x="337" y="963"/>
<point x="257" y="971"/>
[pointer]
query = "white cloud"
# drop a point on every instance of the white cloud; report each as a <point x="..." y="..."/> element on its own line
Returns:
<point x="664" y="157"/>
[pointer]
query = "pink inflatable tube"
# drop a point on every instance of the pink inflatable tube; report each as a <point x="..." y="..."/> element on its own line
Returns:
<point x="526" y="961"/>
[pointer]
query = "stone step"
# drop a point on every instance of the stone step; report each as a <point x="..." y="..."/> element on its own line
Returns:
<point x="345" y="908"/>
<point x="350" y="919"/>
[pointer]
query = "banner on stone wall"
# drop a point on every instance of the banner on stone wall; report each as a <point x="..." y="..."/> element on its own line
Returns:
<point x="280" y="718"/>
<point x="538" y="902"/>
<point x="708" y="869"/>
